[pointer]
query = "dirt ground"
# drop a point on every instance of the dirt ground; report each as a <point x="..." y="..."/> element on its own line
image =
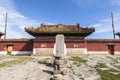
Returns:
<point x="30" y="70"/>
<point x="37" y="69"/>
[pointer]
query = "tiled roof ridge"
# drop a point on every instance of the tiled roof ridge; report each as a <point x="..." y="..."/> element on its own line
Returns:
<point x="118" y="33"/>
<point x="102" y="39"/>
<point x="16" y="39"/>
<point x="1" y="33"/>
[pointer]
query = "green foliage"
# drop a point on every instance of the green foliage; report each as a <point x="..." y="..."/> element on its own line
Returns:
<point x="16" y="60"/>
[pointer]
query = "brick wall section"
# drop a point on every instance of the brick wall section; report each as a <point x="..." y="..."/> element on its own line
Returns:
<point x="89" y="44"/>
<point x="23" y="46"/>
<point x="117" y="46"/>
<point x="18" y="45"/>
<point x="96" y="46"/>
<point x="50" y="43"/>
<point x="70" y="43"/>
<point x="2" y="46"/>
<point x="100" y="44"/>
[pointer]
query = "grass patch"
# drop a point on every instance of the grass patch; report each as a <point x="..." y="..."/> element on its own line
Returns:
<point x="109" y="74"/>
<point x="16" y="60"/>
<point x="43" y="61"/>
<point x="5" y="57"/>
<point x="1" y="58"/>
<point x="115" y="60"/>
<point x="101" y="65"/>
<point x="117" y="66"/>
<point x="78" y="59"/>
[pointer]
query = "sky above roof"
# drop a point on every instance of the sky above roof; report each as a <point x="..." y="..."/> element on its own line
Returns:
<point x="31" y="13"/>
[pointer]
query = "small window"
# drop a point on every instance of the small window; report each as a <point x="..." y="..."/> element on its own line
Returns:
<point x="43" y="45"/>
<point x="75" y="45"/>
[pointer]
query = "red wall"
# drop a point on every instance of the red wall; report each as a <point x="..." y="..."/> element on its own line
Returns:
<point x="96" y="46"/>
<point x="91" y="45"/>
<point x="117" y="46"/>
<point x="102" y="45"/>
<point x="23" y="46"/>
<point x="80" y="43"/>
<point x="17" y="45"/>
<point x="50" y="43"/>
<point x="2" y="46"/>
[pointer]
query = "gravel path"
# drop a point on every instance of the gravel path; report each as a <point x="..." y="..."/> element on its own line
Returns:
<point x="33" y="70"/>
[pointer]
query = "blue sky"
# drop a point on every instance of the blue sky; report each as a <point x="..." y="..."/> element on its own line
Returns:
<point x="31" y="13"/>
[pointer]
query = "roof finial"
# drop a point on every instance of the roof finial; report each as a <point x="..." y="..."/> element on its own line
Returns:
<point x="42" y="24"/>
<point x="78" y="25"/>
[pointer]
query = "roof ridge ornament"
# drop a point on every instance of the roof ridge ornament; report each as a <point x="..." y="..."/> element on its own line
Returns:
<point x="78" y="25"/>
<point x="42" y="24"/>
<point x="60" y="25"/>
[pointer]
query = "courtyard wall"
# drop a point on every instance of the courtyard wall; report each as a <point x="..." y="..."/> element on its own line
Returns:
<point x="44" y="47"/>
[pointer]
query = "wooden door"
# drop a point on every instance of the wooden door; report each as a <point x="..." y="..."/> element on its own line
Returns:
<point x="9" y="49"/>
<point x="111" y="50"/>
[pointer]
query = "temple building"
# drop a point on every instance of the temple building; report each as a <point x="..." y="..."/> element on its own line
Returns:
<point x="1" y="34"/>
<point x="118" y="34"/>
<point x="75" y="40"/>
<point x="69" y="31"/>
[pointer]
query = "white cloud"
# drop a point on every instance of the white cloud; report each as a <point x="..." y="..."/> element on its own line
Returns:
<point x="96" y="25"/>
<point x="16" y="23"/>
<point x="104" y="28"/>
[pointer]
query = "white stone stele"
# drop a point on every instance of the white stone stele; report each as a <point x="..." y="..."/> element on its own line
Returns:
<point x="54" y="49"/>
<point x="59" y="46"/>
